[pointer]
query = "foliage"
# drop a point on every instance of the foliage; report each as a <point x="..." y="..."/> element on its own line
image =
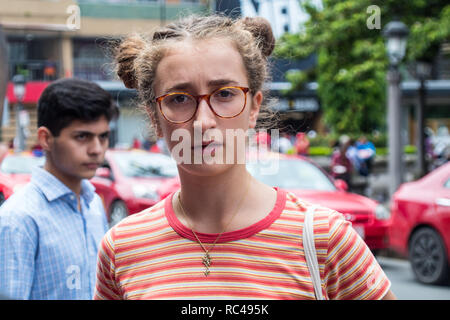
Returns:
<point x="320" y="151"/>
<point x="323" y="145"/>
<point x="352" y="61"/>
<point x="410" y="149"/>
<point x="379" y="140"/>
<point x="323" y="140"/>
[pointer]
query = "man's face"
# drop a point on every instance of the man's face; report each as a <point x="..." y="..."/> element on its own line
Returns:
<point x="79" y="149"/>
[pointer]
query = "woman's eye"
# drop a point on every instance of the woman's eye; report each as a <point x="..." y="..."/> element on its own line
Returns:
<point x="225" y="94"/>
<point x="179" y="99"/>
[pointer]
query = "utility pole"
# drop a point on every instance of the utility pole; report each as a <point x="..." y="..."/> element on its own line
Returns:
<point x="4" y="75"/>
<point x="396" y="34"/>
<point x="395" y="168"/>
<point x="422" y="72"/>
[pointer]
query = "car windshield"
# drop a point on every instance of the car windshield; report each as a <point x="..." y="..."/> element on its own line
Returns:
<point x="17" y="164"/>
<point x="290" y="174"/>
<point x="145" y="164"/>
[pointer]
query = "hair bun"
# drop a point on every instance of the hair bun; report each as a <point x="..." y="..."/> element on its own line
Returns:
<point x="262" y="31"/>
<point x="126" y="54"/>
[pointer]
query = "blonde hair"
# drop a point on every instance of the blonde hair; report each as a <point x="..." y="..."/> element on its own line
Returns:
<point x="138" y="55"/>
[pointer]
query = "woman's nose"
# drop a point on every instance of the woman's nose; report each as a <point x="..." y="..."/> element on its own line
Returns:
<point x="205" y="117"/>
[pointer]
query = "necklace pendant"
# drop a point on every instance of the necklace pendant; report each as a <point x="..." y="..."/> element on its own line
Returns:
<point x="206" y="260"/>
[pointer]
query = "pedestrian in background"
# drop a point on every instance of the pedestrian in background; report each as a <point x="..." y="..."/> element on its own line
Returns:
<point x="51" y="228"/>
<point x="341" y="166"/>
<point x="160" y="147"/>
<point x="302" y="144"/>
<point x="263" y="140"/>
<point x="223" y="234"/>
<point x="283" y="144"/>
<point x="366" y="154"/>
<point x="136" y="143"/>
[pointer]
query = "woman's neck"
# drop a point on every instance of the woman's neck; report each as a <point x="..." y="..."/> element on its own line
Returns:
<point x="210" y="202"/>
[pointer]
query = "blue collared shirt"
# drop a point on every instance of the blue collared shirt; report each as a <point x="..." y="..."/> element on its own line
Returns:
<point x="48" y="248"/>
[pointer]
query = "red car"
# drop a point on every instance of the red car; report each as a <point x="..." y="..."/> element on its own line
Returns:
<point x="421" y="225"/>
<point x="308" y="181"/>
<point x="130" y="181"/>
<point x="15" y="172"/>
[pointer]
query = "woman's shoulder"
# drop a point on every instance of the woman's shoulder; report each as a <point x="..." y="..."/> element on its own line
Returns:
<point x="298" y="206"/>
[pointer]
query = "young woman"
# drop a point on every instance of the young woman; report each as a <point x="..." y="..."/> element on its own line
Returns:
<point x="223" y="235"/>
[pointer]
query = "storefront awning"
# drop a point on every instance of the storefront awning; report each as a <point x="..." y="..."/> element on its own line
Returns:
<point x="33" y="91"/>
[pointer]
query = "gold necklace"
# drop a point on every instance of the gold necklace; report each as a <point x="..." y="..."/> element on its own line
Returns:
<point x="206" y="259"/>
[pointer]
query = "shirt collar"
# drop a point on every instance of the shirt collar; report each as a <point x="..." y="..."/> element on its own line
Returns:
<point x="53" y="188"/>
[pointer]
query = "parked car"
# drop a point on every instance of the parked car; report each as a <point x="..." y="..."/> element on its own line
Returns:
<point x="15" y="172"/>
<point x="301" y="176"/>
<point x="308" y="181"/>
<point x="129" y="181"/>
<point x="421" y="225"/>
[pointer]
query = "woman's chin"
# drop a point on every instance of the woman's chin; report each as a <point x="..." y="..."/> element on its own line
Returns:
<point x="206" y="169"/>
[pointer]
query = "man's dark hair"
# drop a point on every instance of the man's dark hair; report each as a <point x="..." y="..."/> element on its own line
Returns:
<point x="69" y="99"/>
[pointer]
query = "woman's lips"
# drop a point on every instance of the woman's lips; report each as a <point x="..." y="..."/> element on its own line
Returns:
<point x="207" y="144"/>
<point x="209" y="147"/>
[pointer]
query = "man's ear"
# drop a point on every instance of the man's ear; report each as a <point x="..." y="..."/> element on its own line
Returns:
<point x="155" y="122"/>
<point x="255" y="107"/>
<point x="45" y="138"/>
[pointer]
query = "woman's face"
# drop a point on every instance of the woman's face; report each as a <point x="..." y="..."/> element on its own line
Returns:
<point x="198" y="68"/>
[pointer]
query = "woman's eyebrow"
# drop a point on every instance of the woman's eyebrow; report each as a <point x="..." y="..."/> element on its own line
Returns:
<point x="211" y="83"/>
<point x="221" y="82"/>
<point x="179" y="86"/>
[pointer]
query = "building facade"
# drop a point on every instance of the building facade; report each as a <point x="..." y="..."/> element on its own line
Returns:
<point x="51" y="39"/>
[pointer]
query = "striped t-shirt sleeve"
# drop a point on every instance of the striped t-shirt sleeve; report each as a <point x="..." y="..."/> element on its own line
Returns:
<point x="351" y="270"/>
<point x="106" y="285"/>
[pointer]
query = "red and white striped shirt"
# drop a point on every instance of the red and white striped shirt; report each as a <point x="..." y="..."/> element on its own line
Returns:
<point x="151" y="255"/>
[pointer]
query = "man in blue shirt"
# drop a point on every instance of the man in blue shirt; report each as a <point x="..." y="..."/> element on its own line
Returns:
<point x="366" y="154"/>
<point x="50" y="229"/>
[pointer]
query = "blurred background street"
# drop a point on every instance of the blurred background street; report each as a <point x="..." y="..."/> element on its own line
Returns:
<point x="404" y="285"/>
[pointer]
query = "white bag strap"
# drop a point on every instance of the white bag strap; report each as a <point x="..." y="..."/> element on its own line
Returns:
<point x="310" y="252"/>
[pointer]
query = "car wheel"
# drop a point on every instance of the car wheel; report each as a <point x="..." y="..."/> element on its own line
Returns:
<point x="117" y="212"/>
<point x="2" y="198"/>
<point x="428" y="258"/>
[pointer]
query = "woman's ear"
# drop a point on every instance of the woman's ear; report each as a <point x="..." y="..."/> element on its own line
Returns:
<point x="255" y="107"/>
<point x="45" y="138"/>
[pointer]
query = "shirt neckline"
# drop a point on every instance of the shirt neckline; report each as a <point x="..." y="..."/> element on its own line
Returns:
<point x="53" y="188"/>
<point x="239" y="234"/>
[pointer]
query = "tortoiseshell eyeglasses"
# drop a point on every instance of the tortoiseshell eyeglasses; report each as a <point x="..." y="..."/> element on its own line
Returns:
<point x="225" y="102"/>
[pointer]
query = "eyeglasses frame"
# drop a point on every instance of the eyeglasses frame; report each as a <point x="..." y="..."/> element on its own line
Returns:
<point x="198" y="98"/>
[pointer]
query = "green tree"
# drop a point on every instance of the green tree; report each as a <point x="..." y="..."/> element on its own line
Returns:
<point x="352" y="62"/>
